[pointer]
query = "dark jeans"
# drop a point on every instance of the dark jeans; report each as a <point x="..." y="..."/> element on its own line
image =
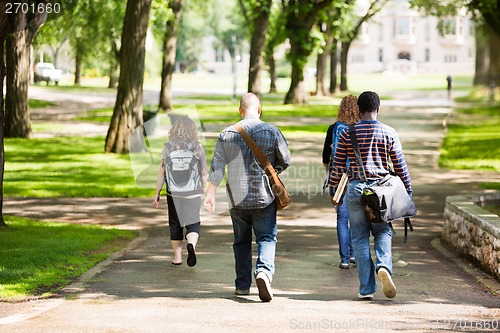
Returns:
<point x="263" y="223"/>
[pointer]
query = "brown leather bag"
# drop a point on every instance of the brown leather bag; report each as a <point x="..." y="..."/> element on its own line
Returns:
<point x="283" y="198"/>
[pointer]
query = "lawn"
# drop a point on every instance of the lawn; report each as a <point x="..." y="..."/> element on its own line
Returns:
<point x="67" y="167"/>
<point x="38" y="259"/>
<point x="472" y="140"/>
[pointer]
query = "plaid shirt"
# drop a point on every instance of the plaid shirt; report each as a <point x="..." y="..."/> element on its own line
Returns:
<point x="248" y="185"/>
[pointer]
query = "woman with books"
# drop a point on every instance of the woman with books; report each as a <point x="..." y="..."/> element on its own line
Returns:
<point x="348" y="114"/>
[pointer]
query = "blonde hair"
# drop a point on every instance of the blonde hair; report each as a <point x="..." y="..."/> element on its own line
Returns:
<point x="183" y="129"/>
<point x="348" y="110"/>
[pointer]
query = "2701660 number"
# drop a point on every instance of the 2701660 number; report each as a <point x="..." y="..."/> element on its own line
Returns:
<point x="32" y="8"/>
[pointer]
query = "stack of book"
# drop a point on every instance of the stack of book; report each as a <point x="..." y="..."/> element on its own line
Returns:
<point x="341" y="189"/>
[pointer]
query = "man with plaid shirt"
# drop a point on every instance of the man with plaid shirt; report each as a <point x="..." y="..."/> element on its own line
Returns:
<point x="250" y="194"/>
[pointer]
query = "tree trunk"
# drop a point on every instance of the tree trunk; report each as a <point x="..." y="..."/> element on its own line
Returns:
<point x="296" y="94"/>
<point x="113" y="66"/>
<point x="301" y="17"/>
<point x="333" y="67"/>
<point x="17" y="120"/>
<point x="169" y="50"/>
<point x="482" y="64"/>
<point x="113" y="73"/>
<point x="272" y="73"/>
<point x="322" y="69"/>
<point x="494" y="71"/>
<point x="78" y="67"/>
<point x="127" y="113"/>
<point x="3" y="32"/>
<point x="257" y="44"/>
<point x="343" y="65"/>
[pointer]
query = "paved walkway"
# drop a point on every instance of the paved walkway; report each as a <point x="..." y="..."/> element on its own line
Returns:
<point x="138" y="290"/>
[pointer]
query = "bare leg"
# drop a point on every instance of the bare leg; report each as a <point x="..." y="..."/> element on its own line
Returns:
<point x="177" y="247"/>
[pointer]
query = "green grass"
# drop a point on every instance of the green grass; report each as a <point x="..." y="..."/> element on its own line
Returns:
<point x="229" y="112"/>
<point x="36" y="103"/>
<point x="38" y="259"/>
<point x="473" y="137"/>
<point x="97" y="115"/>
<point x="78" y="167"/>
<point x="67" y="167"/>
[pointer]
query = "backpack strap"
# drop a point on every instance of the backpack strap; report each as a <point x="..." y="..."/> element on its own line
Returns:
<point x="357" y="154"/>
<point x="334" y="134"/>
<point x="407" y="225"/>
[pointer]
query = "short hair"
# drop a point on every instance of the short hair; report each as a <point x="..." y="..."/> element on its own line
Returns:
<point x="348" y="110"/>
<point x="249" y="101"/>
<point x="368" y="101"/>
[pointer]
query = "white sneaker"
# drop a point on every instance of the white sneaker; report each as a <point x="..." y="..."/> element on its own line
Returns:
<point x="264" y="286"/>
<point x="387" y="283"/>
<point x="367" y="297"/>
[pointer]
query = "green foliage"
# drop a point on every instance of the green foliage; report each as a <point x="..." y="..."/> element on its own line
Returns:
<point x="92" y="29"/>
<point x="193" y="28"/>
<point x="482" y="10"/>
<point x="161" y="13"/>
<point x="227" y="25"/>
<point x="38" y="258"/>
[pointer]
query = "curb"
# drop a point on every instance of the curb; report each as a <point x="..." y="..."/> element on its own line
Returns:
<point x="79" y="285"/>
<point x="487" y="281"/>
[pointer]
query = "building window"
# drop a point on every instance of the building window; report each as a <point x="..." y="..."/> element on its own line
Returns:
<point x="427" y="30"/>
<point x="219" y="54"/>
<point x="381" y="55"/>
<point x="358" y="58"/>
<point x="402" y="27"/>
<point x="427" y="55"/>
<point x="450" y="58"/>
<point x="452" y="26"/>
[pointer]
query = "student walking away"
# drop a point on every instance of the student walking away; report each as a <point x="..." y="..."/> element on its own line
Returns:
<point x="251" y="198"/>
<point x="184" y="169"/>
<point x="448" y="81"/>
<point x="378" y="144"/>
<point x="348" y="114"/>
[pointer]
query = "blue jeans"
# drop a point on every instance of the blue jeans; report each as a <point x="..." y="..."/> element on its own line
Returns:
<point x="263" y="223"/>
<point x="343" y="233"/>
<point x="360" y="236"/>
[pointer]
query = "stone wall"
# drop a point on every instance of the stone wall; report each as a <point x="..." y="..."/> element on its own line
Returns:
<point x="474" y="231"/>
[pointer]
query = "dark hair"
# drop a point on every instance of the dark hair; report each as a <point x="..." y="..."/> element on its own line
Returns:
<point x="368" y="101"/>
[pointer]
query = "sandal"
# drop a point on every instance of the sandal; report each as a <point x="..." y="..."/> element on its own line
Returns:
<point x="191" y="261"/>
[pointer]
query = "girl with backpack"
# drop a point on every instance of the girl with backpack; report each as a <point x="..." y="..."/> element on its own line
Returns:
<point x="348" y="114"/>
<point x="184" y="169"/>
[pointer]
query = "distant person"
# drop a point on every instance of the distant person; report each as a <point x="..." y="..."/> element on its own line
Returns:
<point x="378" y="144"/>
<point x="348" y="114"/>
<point x="184" y="169"/>
<point x="492" y="91"/>
<point x="251" y="197"/>
<point x="449" y="80"/>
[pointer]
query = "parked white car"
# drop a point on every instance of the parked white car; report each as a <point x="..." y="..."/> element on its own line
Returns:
<point x="45" y="71"/>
